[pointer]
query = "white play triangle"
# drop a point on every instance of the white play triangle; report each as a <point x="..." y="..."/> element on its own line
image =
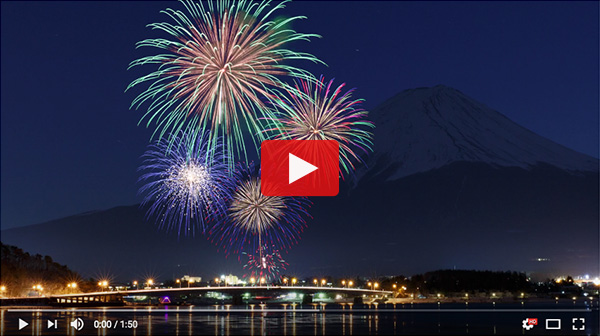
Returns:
<point x="22" y="324"/>
<point x="299" y="168"/>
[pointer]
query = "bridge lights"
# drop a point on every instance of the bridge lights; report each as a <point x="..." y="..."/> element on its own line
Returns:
<point x="252" y="281"/>
<point x="350" y="283"/>
<point x="262" y="280"/>
<point x="72" y="285"/>
<point x="285" y="281"/>
<point x="343" y="283"/>
<point x="103" y="284"/>
<point x="294" y="280"/>
<point x="177" y="281"/>
<point x="38" y="288"/>
<point x="376" y="285"/>
<point x="323" y="282"/>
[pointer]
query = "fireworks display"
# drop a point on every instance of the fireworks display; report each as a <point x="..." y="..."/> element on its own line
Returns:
<point x="222" y="63"/>
<point x="256" y="220"/>
<point x="184" y="185"/>
<point x="318" y="111"/>
<point x="219" y="81"/>
<point x="265" y="263"/>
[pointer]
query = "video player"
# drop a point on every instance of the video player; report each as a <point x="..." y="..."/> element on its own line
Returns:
<point x="242" y="167"/>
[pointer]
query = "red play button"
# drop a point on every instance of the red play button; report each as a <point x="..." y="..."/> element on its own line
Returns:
<point x="299" y="168"/>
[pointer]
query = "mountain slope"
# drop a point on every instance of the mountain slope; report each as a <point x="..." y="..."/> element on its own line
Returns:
<point x="427" y="128"/>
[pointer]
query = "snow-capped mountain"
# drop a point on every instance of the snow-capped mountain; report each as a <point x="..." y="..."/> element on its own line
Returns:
<point x="426" y="128"/>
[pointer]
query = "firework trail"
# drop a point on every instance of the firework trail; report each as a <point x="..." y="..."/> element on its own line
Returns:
<point x="265" y="263"/>
<point x="256" y="220"/>
<point x="222" y="62"/>
<point x="318" y="111"/>
<point x="184" y="185"/>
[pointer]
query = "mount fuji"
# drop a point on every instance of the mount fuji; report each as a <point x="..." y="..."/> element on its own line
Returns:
<point x="427" y="128"/>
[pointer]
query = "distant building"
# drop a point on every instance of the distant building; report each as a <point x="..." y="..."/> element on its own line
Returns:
<point x="231" y="279"/>
<point x="191" y="279"/>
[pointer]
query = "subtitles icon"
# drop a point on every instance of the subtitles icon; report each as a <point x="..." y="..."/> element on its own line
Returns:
<point x="77" y="324"/>
<point x="529" y="323"/>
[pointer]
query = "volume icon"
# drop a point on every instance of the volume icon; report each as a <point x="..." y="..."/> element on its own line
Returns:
<point x="77" y="324"/>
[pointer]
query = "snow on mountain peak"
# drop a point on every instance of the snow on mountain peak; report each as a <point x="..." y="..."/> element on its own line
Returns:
<point x="426" y="128"/>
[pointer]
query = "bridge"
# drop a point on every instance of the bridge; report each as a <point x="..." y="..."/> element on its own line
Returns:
<point x="199" y="295"/>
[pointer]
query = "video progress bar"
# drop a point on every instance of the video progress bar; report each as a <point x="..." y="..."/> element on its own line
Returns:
<point x="280" y="310"/>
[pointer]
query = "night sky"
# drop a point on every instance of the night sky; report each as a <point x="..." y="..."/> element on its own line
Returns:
<point x="70" y="143"/>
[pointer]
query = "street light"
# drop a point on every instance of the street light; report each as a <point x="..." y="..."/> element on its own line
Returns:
<point x="285" y="281"/>
<point x="370" y="285"/>
<point x="217" y="281"/>
<point x="262" y="280"/>
<point x="350" y="283"/>
<point x="191" y="281"/>
<point x="150" y="282"/>
<point x="38" y="288"/>
<point x="135" y="284"/>
<point x="252" y="281"/>
<point x="315" y="281"/>
<point x="178" y="282"/>
<point x="343" y="283"/>
<point x="103" y="284"/>
<point x="294" y="280"/>
<point x="323" y="282"/>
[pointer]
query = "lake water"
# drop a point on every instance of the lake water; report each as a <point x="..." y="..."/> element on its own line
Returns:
<point x="444" y="319"/>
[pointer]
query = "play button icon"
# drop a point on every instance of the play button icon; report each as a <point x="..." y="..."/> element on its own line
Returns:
<point x="22" y="324"/>
<point x="299" y="168"/>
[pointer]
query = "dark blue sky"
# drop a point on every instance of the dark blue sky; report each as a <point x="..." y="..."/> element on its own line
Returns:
<point x="70" y="143"/>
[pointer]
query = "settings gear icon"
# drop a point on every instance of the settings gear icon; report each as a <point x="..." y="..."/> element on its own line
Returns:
<point x="527" y="325"/>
